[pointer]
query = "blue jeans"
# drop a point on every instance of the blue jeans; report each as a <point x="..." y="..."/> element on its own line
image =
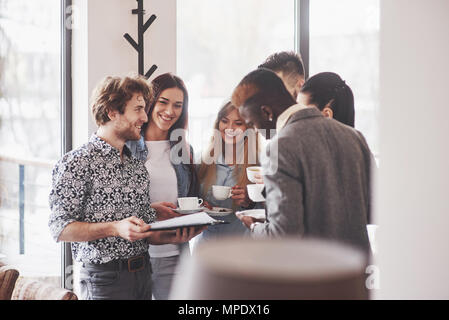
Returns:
<point x="113" y="281"/>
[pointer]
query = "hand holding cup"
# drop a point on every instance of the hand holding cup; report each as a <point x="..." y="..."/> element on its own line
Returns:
<point x="255" y="174"/>
<point x="221" y="192"/>
<point x="240" y="196"/>
<point x="189" y="203"/>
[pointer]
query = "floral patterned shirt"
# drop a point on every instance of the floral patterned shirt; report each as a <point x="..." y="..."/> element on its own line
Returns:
<point x="91" y="184"/>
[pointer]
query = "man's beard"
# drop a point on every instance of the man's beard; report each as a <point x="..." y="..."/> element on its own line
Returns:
<point x="128" y="134"/>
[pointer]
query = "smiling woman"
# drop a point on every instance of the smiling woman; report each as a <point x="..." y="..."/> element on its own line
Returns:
<point x="232" y="127"/>
<point x="233" y="148"/>
<point x="168" y="111"/>
<point x="169" y="108"/>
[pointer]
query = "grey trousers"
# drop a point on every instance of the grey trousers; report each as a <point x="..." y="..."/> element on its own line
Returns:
<point x="103" y="282"/>
<point x="164" y="270"/>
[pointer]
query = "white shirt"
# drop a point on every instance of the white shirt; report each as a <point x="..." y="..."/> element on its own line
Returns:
<point x="285" y="116"/>
<point x="163" y="187"/>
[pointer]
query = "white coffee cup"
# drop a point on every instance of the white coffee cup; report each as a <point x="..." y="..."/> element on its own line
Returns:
<point x="255" y="192"/>
<point x="252" y="171"/>
<point x="189" y="203"/>
<point x="221" y="192"/>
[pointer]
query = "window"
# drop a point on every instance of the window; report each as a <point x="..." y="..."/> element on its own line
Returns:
<point x="30" y="135"/>
<point x="218" y="43"/>
<point x="344" y="38"/>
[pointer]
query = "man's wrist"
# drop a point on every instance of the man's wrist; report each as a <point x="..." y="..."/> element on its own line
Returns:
<point x="113" y="231"/>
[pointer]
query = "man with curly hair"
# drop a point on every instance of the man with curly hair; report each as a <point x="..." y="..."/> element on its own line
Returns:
<point x="100" y="198"/>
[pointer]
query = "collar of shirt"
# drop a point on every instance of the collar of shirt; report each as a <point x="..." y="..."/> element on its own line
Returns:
<point x="105" y="148"/>
<point x="141" y="144"/>
<point x="285" y="116"/>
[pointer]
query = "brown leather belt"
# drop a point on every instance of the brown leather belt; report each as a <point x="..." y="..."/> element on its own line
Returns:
<point x="133" y="264"/>
<point x="136" y="263"/>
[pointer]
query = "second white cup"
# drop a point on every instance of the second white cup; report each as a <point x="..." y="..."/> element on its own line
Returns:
<point x="251" y="173"/>
<point x="189" y="203"/>
<point x="221" y="192"/>
<point x="255" y="192"/>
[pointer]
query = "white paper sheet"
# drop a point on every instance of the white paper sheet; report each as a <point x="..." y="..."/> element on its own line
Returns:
<point x="195" y="219"/>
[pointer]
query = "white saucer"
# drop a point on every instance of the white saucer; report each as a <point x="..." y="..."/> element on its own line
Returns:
<point x="177" y="210"/>
<point x="258" y="214"/>
<point x="218" y="212"/>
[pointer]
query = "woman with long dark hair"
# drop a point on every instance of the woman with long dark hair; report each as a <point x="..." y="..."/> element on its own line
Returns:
<point x="331" y="95"/>
<point x="173" y="178"/>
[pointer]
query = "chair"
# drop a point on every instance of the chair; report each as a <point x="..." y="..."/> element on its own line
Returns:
<point x="14" y="287"/>
<point x="28" y="289"/>
<point x="8" y="278"/>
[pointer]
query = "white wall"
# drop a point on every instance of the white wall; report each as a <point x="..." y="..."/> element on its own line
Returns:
<point x="99" y="49"/>
<point x="412" y="203"/>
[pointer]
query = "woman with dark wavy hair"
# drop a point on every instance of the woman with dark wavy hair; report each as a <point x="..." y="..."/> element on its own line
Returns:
<point x="161" y="135"/>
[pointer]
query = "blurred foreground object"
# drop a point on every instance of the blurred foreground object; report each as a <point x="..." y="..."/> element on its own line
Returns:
<point x="282" y="269"/>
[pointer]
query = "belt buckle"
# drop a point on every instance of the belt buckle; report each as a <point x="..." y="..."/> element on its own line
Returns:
<point x="136" y="264"/>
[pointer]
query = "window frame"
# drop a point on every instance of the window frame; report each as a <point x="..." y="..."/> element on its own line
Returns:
<point x="66" y="123"/>
<point x="302" y="32"/>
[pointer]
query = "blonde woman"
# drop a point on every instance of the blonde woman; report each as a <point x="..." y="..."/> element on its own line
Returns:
<point x="233" y="147"/>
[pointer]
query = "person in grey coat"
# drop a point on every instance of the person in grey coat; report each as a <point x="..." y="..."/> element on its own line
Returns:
<point x="321" y="185"/>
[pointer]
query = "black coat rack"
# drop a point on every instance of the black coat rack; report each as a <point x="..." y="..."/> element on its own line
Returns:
<point x="141" y="29"/>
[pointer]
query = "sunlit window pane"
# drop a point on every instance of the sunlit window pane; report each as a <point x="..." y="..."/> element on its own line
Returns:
<point x="219" y="42"/>
<point x="344" y="38"/>
<point x="29" y="133"/>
